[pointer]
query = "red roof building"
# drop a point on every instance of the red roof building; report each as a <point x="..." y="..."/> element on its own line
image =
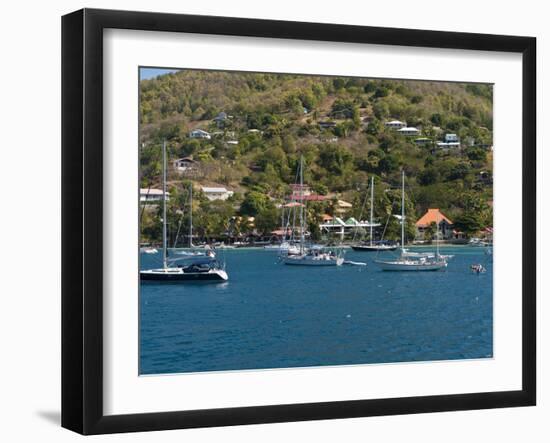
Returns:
<point x="434" y="215"/>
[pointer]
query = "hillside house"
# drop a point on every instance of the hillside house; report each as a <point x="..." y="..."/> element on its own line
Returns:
<point x="299" y="191"/>
<point x="186" y="165"/>
<point x="342" y="207"/>
<point x="408" y="131"/>
<point x="339" y="226"/>
<point x="434" y="216"/>
<point x="216" y="193"/>
<point x="395" y="124"/>
<point x="199" y="133"/>
<point x="451" y="138"/>
<point x="221" y="119"/>
<point x="423" y="141"/>
<point x="151" y="195"/>
<point x="448" y="145"/>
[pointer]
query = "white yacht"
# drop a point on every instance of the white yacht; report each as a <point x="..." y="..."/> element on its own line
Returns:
<point x="203" y="268"/>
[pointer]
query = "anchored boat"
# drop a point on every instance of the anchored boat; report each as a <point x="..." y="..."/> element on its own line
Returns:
<point x="309" y="256"/>
<point x="405" y="262"/>
<point x="203" y="268"/>
<point x="372" y="246"/>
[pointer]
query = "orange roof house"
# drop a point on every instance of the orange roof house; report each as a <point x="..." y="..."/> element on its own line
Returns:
<point x="432" y="216"/>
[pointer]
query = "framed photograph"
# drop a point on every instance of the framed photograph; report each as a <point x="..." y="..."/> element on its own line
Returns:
<point x="270" y="221"/>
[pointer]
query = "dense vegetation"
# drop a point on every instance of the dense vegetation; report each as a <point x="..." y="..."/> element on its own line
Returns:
<point x="337" y="125"/>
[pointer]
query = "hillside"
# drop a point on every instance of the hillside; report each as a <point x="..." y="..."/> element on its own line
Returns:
<point x="337" y="124"/>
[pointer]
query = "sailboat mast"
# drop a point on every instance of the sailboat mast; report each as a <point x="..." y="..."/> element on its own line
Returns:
<point x="302" y="223"/>
<point x="283" y="221"/>
<point x="402" y="209"/>
<point x="164" y="256"/>
<point x="191" y="215"/>
<point x="371" y="205"/>
<point x="437" y="237"/>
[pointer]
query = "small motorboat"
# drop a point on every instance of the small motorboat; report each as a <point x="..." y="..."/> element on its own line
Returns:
<point x="478" y="268"/>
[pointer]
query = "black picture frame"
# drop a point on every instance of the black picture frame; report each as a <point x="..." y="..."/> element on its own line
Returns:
<point x="82" y="215"/>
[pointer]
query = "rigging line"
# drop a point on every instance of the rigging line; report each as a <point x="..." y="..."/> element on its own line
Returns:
<point x="361" y="213"/>
<point x="291" y="211"/>
<point x="178" y="232"/>
<point x="179" y="225"/>
<point x="386" y="225"/>
<point x="144" y="204"/>
<point x="146" y="199"/>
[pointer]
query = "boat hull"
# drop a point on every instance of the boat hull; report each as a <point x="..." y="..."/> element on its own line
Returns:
<point x="301" y="261"/>
<point x="374" y="248"/>
<point x="159" y="275"/>
<point x="416" y="267"/>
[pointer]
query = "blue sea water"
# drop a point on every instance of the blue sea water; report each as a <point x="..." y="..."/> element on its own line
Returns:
<point x="269" y="315"/>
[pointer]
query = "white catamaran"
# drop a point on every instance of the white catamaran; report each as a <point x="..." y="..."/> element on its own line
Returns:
<point x="309" y="256"/>
<point x="203" y="268"/>
<point x="406" y="262"/>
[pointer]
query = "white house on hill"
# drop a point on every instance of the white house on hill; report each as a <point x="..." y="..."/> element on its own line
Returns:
<point x="147" y="195"/>
<point x="408" y="131"/>
<point x="395" y="124"/>
<point x="199" y="133"/>
<point x="216" y="193"/>
<point x="448" y="145"/>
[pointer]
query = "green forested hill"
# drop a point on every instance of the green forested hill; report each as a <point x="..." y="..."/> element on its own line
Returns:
<point x="337" y="124"/>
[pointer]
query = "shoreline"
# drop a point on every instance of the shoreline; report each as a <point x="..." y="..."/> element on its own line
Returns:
<point x="343" y="246"/>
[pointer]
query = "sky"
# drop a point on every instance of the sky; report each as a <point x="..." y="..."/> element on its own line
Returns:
<point x="147" y="73"/>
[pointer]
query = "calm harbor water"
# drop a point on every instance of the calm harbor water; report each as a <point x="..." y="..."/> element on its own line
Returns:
<point x="269" y="315"/>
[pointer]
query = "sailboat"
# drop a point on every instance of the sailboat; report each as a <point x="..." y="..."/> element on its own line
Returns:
<point x="372" y="246"/>
<point x="209" y="251"/>
<point x="204" y="268"/>
<point x="285" y="246"/>
<point x="405" y="262"/>
<point x="309" y="256"/>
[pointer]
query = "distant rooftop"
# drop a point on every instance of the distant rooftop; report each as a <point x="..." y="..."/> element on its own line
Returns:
<point x="150" y="191"/>
<point x="212" y="189"/>
<point x="433" y="215"/>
